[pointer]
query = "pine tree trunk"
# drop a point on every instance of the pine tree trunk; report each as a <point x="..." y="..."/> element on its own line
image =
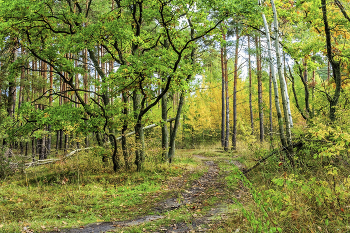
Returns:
<point x="260" y="97"/>
<point x="48" y="142"/>
<point x="235" y="78"/>
<point x="33" y="149"/>
<point x="250" y="89"/>
<point x="12" y="85"/>
<point x="65" y="143"/>
<point x="270" y="108"/>
<point x="222" y="99"/>
<point x="227" y="135"/>
<point x="85" y="79"/>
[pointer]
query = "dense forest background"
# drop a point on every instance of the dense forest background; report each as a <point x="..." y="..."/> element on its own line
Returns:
<point x="134" y="80"/>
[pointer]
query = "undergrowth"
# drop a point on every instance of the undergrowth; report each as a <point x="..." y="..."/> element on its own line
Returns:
<point x="82" y="190"/>
<point x="312" y="197"/>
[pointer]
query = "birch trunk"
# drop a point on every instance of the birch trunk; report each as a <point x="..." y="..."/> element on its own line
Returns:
<point x="275" y="85"/>
<point x="285" y="99"/>
<point x="283" y="84"/>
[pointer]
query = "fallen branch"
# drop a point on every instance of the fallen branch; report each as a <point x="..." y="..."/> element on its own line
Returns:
<point x="146" y="127"/>
<point x="245" y="171"/>
<point x="48" y="161"/>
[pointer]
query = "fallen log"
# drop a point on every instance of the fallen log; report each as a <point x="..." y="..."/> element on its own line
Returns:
<point x="298" y="145"/>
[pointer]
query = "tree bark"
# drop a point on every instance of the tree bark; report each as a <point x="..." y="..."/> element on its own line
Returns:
<point x="250" y="89"/>
<point x="12" y="84"/>
<point x="222" y="98"/>
<point x="124" y="129"/>
<point x="227" y="134"/>
<point x="333" y="100"/>
<point x="342" y="9"/>
<point x="270" y="108"/>
<point x="259" y="76"/>
<point x="235" y="78"/>
<point x="283" y="85"/>
<point x="174" y="130"/>
<point x="275" y="85"/>
<point x="139" y="134"/>
<point x="306" y="117"/>
<point x="65" y="143"/>
<point x="165" y="139"/>
<point x="115" y="159"/>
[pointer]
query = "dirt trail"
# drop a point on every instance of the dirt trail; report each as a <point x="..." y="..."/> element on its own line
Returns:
<point x="193" y="198"/>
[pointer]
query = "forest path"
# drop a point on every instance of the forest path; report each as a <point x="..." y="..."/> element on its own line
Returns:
<point x="204" y="201"/>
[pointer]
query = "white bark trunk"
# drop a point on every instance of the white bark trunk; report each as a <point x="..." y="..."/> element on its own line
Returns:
<point x="274" y="81"/>
<point x="283" y="85"/>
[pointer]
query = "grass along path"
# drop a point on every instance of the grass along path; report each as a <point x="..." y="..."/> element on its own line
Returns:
<point x="201" y="207"/>
<point x="193" y="194"/>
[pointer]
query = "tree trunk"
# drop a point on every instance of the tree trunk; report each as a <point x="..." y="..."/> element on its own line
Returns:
<point x="40" y="148"/>
<point x="174" y="130"/>
<point x="259" y="76"/>
<point x="12" y="85"/>
<point x="124" y="129"/>
<point x="65" y="143"/>
<point x="306" y="117"/>
<point x="270" y="108"/>
<point x="57" y="140"/>
<point x="227" y="135"/>
<point x="333" y="101"/>
<point x="283" y="85"/>
<point x="85" y="79"/>
<point x="115" y="159"/>
<point x="250" y="89"/>
<point x="33" y="149"/>
<point x="275" y="85"/>
<point x="139" y="135"/>
<point x="222" y="99"/>
<point x="26" y="149"/>
<point x="48" y="142"/>
<point x="235" y="78"/>
<point x="306" y="88"/>
<point x="165" y="139"/>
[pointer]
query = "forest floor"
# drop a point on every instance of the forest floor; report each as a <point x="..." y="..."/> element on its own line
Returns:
<point x="198" y="192"/>
<point x="202" y="205"/>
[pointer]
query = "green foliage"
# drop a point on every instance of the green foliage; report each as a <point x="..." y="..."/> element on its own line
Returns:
<point x="311" y="197"/>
